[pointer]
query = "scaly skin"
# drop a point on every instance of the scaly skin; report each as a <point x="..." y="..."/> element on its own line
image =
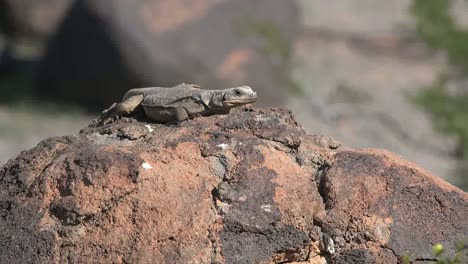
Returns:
<point x="179" y="103"/>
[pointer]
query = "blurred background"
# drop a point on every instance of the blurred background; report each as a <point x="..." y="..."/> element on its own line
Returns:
<point x="369" y="73"/>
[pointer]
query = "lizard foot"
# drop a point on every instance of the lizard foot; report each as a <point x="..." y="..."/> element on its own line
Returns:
<point x="109" y="120"/>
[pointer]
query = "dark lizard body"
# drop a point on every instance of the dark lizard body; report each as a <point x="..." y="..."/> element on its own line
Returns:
<point x="180" y="102"/>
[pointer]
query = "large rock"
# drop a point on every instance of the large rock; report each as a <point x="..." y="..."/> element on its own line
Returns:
<point x="105" y="47"/>
<point x="245" y="188"/>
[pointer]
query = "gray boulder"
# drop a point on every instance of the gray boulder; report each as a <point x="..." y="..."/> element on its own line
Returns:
<point x="104" y="48"/>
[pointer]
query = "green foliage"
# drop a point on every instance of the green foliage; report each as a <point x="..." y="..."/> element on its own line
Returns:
<point x="450" y="112"/>
<point x="274" y="42"/>
<point x="406" y="258"/>
<point x="438" y="253"/>
<point x="438" y="250"/>
<point x="275" y="47"/>
<point x="439" y="30"/>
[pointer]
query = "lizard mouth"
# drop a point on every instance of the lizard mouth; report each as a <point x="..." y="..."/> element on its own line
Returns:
<point x="240" y="101"/>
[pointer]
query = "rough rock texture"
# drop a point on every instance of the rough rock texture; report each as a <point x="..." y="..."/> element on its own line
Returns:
<point x="250" y="187"/>
<point x="104" y="47"/>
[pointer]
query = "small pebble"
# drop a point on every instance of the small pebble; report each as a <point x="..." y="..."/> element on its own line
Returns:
<point x="146" y="166"/>
<point x="223" y="146"/>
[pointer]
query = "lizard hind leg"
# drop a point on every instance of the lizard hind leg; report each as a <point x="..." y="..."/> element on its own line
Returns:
<point x="126" y="107"/>
<point x="129" y="105"/>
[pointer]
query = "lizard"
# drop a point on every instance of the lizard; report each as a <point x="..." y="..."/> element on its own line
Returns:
<point x="179" y="103"/>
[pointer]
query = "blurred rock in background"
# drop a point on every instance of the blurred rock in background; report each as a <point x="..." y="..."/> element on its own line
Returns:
<point x="104" y="47"/>
<point x="25" y="26"/>
<point x="36" y="19"/>
<point x="358" y="63"/>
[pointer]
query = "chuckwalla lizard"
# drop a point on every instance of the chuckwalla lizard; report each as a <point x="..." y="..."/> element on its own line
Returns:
<point x="178" y="103"/>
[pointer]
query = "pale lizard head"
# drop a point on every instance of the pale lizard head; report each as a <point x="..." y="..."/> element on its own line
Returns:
<point x="237" y="96"/>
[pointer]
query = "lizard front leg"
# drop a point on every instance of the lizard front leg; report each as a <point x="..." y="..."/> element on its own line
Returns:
<point x="124" y="108"/>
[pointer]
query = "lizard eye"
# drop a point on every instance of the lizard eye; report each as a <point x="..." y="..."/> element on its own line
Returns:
<point x="237" y="92"/>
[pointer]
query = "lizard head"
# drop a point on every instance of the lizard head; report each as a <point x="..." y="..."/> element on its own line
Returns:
<point x="237" y="96"/>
